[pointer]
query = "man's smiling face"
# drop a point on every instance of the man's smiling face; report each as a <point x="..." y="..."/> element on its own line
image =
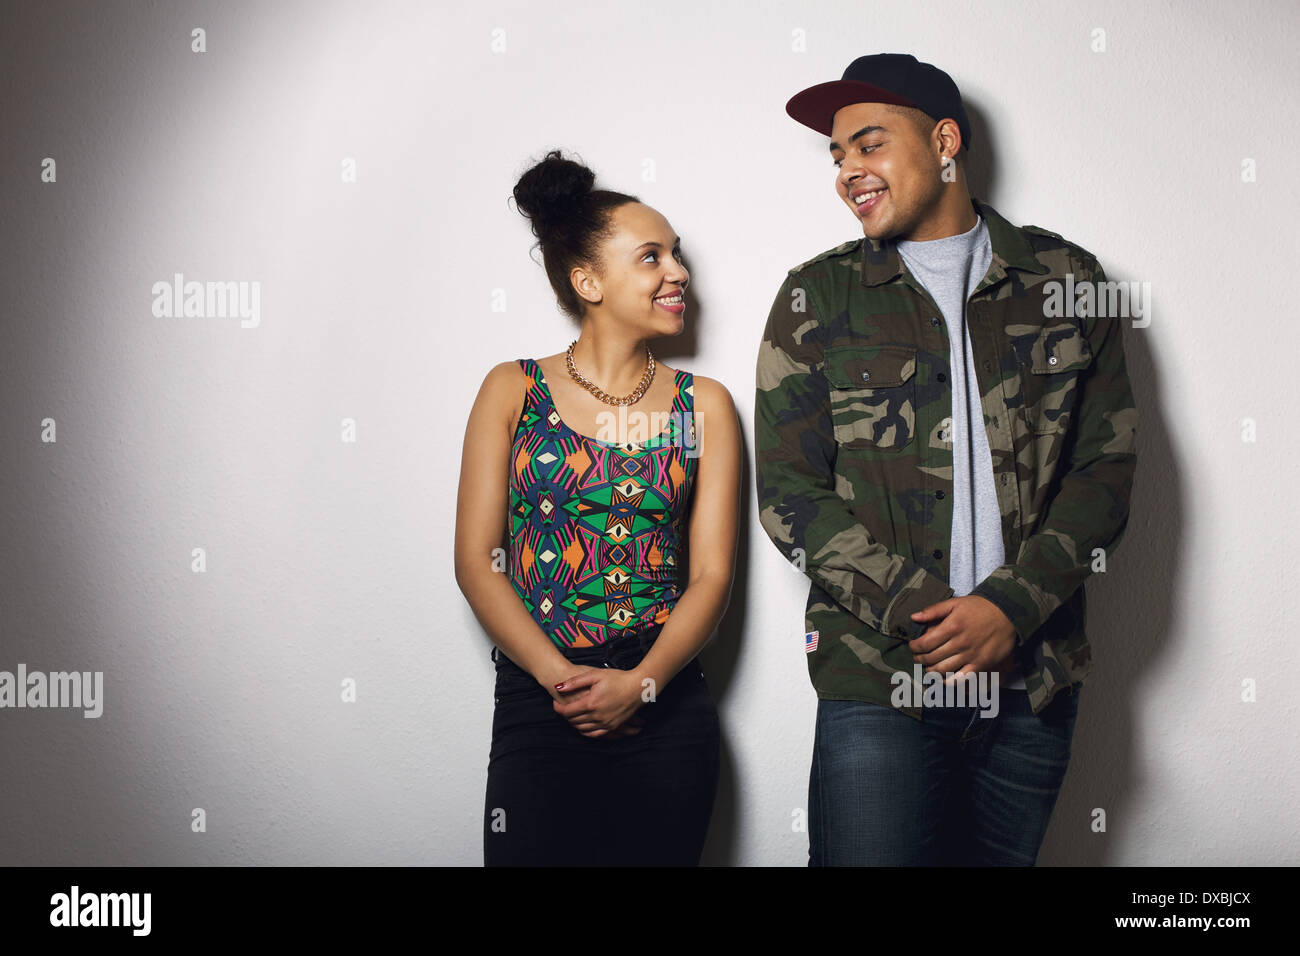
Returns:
<point x="888" y="169"/>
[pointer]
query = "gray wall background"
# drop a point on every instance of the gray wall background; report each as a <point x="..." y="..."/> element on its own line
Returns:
<point x="329" y="560"/>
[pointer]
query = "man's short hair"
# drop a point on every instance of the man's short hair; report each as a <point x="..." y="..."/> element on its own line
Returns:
<point x="924" y="123"/>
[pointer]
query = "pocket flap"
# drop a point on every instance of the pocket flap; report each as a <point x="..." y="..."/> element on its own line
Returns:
<point x="869" y="366"/>
<point x="1063" y="349"/>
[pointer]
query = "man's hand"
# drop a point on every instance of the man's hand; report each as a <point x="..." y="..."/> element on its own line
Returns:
<point x="972" y="634"/>
<point x="600" y="701"/>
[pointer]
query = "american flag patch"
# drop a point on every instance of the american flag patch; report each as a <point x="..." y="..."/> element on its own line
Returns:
<point x="810" y="642"/>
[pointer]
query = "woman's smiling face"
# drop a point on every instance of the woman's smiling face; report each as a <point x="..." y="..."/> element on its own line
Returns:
<point x="642" y="277"/>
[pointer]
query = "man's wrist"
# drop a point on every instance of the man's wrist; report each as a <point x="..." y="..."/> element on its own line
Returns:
<point x="1009" y="625"/>
<point x="997" y="589"/>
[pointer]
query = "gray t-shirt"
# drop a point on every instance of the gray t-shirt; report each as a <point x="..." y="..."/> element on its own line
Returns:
<point x="950" y="269"/>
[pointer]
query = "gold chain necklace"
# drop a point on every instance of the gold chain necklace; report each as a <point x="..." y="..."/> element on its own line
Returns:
<point x="600" y="393"/>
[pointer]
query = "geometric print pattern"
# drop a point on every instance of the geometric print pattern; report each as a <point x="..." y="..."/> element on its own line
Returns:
<point x="597" y="529"/>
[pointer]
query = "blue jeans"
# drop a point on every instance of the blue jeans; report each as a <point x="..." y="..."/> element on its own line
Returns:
<point x="955" y="789"/>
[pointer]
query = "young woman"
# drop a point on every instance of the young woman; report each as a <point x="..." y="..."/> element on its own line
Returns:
<point x="587" y="478"/>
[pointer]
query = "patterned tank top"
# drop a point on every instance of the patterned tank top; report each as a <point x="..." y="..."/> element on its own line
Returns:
<point x="597" y="529"/>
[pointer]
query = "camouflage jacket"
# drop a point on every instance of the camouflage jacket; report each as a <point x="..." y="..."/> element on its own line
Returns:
<point x="854" y="457"/>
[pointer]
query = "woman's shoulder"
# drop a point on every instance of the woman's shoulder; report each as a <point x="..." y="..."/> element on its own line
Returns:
<point x="714" y="411"/>
<point x="505" y="387"/>
<point x="506" y="376"/>
<point x="710" y="393"/>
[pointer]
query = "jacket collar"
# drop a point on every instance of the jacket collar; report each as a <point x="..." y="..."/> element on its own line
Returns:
<point x="1011" y="249"/>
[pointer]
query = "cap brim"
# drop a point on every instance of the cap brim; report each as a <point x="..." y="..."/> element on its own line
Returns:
<point x="816" y="106"/>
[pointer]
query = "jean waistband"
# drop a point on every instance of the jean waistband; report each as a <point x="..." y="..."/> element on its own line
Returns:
<point x="624" y="651"/>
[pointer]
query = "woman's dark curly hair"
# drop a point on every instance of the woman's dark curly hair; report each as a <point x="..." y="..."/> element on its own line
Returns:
<point x="569" y="218"/>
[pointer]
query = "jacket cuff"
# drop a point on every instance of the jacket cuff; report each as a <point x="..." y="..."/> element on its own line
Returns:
<point x="1014" y="598"/>
<point x="919" y="593"/>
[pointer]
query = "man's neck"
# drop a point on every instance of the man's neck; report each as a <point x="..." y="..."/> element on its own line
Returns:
<point x="956" y="215"/>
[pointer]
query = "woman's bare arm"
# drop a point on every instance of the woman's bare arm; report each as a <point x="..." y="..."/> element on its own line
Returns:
<point x="482" y="504"/>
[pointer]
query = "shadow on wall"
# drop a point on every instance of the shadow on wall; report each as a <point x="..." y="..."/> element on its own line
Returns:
<point x="1130" y="617"/>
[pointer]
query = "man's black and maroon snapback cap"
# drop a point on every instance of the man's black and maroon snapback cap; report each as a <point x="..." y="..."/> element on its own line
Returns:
<point x="896" y="78"/>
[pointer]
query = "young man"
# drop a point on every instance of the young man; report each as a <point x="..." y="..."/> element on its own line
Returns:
<point x="945" y="445"/>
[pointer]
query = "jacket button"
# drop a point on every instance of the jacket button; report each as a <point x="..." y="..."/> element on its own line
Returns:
<point x="934" y="320"/>
<point x="943" y="377"/>
<point x="866" y="376"/>
<point x="1051" y="360"/>
<point x="939" y="494"/>
<point x="937" y="553"/>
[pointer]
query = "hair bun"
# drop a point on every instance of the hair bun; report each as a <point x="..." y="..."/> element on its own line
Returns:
<point x="548" y="193"/>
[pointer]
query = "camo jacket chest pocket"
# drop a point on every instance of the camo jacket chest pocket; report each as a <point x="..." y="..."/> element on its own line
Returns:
<point x="872" y="395"/>
<point x="1052" y="362"/>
